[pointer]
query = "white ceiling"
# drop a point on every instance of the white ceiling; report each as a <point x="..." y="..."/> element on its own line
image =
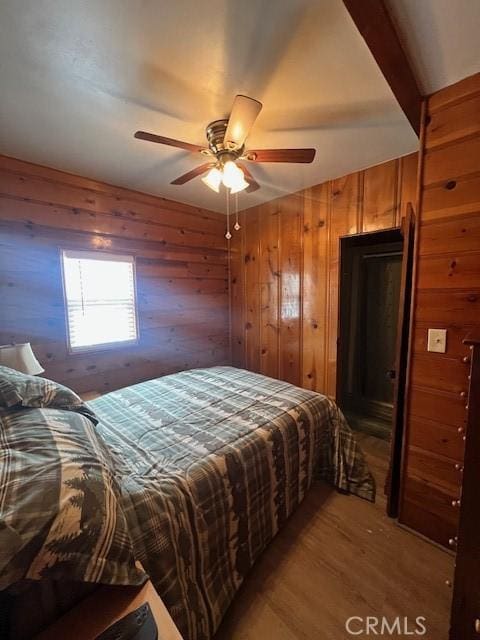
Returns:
<point x="78" y="78"/>
<point x="441" y="39"/>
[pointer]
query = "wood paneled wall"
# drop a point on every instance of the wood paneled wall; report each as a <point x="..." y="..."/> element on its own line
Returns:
<point x="285" y="264"/>
<point x="181" y="267"/>
<point x="447" y="296"/>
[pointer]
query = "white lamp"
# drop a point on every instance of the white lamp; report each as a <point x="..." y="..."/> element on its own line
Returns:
<point x="21" y="358"/>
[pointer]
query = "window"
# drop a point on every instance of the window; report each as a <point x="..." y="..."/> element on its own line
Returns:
<point x="100" y="299"/>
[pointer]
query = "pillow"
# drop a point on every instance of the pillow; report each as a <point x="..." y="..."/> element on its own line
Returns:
<point x="61" y="511"/>
<point x="9" y="396"/>
<point x="18" y="388"/>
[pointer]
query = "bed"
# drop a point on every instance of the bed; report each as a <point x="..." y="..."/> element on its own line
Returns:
<point x="205" y="466"/>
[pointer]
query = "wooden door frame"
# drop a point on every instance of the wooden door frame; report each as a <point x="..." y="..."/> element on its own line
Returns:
<point x="398" y="434"/>
<point x="404" y="332"/>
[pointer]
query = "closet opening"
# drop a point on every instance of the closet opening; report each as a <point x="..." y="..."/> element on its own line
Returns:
<point x="374" y="316"/>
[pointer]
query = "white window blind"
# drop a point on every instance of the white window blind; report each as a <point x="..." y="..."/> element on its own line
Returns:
<point x="100" y="298"/>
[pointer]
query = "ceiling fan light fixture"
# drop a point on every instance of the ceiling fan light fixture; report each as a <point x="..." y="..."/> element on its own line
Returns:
<point x="226" y="145"/>
<point x="242" y="184"/>
<point x="213" y="179"/>
<point x="232" y="175"/>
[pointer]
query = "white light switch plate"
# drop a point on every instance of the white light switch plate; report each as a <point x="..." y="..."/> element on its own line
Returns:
<point x="437" y="340"/>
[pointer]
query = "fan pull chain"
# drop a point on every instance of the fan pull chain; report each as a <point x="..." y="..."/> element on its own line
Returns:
<point x="228" y="235"/>
<point x="237" y="224"/>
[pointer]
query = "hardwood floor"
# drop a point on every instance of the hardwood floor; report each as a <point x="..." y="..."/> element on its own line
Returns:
<point x="340" y="556"/>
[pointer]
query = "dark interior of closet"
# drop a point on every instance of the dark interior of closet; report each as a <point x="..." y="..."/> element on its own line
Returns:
<point x="370" y="283"/>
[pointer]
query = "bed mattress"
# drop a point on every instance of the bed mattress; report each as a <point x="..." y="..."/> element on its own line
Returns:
<point x="211" y="463"/>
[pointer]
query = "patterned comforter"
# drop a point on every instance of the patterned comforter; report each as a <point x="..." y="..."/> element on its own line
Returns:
<point x="211" y="463"/>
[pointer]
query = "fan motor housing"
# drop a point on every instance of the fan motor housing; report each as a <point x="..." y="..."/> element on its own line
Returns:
<point x="216" y="137"/>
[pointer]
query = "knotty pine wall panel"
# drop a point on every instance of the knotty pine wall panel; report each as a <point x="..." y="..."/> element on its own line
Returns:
<point x="181" y="268"/>
<point x="315" y="280"/>
<point x="238" y="294"/>
<point x="345" y="218"/>
<point x="269" y="291"/>
<point x="252" y="287"/>
<point x="447" y="296"/>
<point x="380" y="196"/>
<point x="290" y="241"/>
<point x="285" y="299"/>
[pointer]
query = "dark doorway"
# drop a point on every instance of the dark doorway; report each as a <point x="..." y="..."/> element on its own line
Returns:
<point x="375" y="285"/>
<point x="370" y="294"/>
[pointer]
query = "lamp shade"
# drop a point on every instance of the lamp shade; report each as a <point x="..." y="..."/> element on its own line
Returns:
<point x="213" y="179"/>
<point x="233" y="177"/>
<point x="20" y="357"/>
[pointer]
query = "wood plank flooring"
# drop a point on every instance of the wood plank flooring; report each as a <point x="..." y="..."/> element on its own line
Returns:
<point x="340" y="556"/>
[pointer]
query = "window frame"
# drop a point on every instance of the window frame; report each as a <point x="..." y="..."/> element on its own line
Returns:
<point x="106" y="346"/>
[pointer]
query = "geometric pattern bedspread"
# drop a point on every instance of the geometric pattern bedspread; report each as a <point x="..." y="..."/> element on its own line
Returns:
<point x="211" y="463"/>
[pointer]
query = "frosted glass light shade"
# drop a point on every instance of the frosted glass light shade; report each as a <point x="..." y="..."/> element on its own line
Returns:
<point x="21" y="358"/>
<point x="240" y="186"/>
<point x="233" y="177"/>
<point x="231" y="174"/>
<point x="213" y="179"/>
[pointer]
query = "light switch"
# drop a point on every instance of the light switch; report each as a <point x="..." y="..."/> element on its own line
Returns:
<point x="437" y="340"/>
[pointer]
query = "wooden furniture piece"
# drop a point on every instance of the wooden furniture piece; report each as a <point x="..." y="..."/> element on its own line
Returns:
<point x="465" y="621"/>
<point x="90" y="395"/>
<point x="104" y="607"/>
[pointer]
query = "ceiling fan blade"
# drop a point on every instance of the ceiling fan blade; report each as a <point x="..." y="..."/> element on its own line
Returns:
<point x="244" y="113"/>
<point x="252" y="183"/>
<point x="193" y="173"/>
<point x="171" y="142"/>
<point x="281" y="155"/>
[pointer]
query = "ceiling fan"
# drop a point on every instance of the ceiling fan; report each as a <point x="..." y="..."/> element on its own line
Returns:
<point x="226" y="150"/>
